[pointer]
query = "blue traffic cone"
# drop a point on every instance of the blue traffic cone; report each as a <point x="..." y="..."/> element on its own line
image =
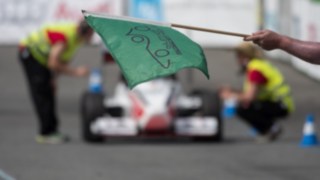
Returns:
<point x="229" y="108"/>
<point x="309" y="135"/>
<point x="95" y="81"/>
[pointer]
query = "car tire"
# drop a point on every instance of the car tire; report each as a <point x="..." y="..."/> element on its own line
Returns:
<point x="211" y="106"/>
<point x="91" y="108"/>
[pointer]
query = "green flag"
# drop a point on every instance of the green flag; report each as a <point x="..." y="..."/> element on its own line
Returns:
<point x="146" y="50"/>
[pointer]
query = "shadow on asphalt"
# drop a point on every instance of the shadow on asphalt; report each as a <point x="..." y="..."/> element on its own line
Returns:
<point x="168" y="141"/>
<point x="184" y="141"/>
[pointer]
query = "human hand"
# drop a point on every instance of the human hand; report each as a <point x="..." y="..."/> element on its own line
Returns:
<point x="81" y="71"/>
<point x="225" y="92"/>
<point x="266" y="39"/>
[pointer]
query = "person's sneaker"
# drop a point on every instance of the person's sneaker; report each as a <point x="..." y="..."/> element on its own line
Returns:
<point x="275" y="132"/>
<point x="272" y="135"/>
<point x="52" y="139"/>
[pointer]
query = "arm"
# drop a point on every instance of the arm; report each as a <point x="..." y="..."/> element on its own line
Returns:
<point x="308" y="51"/>
<point x="248" y="96"/>
<point x="55" y="64"/>
<point x="245" y="97"/>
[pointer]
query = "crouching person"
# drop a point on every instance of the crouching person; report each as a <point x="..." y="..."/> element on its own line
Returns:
<point x="265" y="98"/>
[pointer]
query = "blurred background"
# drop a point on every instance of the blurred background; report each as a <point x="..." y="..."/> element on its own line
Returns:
<point x="296" y="18"/>
<point x="236" y="158"/>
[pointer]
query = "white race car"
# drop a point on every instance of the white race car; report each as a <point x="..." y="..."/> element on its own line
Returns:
<point x="155" y="108"/>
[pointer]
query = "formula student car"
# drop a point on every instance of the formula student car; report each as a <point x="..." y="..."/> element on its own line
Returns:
<point x="155" y="108"/>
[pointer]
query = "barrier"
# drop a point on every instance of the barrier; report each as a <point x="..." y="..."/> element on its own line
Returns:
<point x="19" y="17"/>
<point x="230" y="15"/>
<point x="306" y="26"/>
<point x="299" y="20"/>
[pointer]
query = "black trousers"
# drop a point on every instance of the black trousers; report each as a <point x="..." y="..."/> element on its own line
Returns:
<point x="40" y="81"/>
<point x="262" y="114"/>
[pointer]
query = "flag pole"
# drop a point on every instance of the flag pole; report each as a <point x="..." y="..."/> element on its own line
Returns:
<point x="209" y="30"/>
<point x="167" y="24"/>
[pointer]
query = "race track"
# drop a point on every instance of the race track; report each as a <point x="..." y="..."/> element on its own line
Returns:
<point x="236" y="158"/>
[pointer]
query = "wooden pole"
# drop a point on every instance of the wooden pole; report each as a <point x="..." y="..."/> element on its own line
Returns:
<point x="209" y="30"/>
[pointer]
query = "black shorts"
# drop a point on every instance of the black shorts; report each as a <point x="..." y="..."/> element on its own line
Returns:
<point x="262" y="114"/>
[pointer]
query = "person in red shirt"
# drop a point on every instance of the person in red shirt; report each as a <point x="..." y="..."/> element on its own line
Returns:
<point x="45" y="54"/>
<point x="265" y="97"/>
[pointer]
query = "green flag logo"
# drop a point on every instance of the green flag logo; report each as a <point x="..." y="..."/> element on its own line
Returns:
<point x="146" y="35"/>
<point x="144" y="50"/>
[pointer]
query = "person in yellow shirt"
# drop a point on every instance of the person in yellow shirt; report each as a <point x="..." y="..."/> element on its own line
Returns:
<point x="265" y="97"/>
<point x="44" y="55"/>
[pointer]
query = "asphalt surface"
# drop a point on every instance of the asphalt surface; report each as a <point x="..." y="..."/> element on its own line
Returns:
<point x="238" y="157"/>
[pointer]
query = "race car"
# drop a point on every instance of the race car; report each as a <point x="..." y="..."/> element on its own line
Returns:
<point x="155" y="108"/>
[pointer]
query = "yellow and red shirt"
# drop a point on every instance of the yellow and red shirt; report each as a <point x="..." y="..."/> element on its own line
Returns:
<point x="40" y="42"/>
<point x="271" y="82"/>
<point x="255" y="76"/>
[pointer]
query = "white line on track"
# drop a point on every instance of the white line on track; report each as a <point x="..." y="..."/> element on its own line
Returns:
<point x="5" y="176"/>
